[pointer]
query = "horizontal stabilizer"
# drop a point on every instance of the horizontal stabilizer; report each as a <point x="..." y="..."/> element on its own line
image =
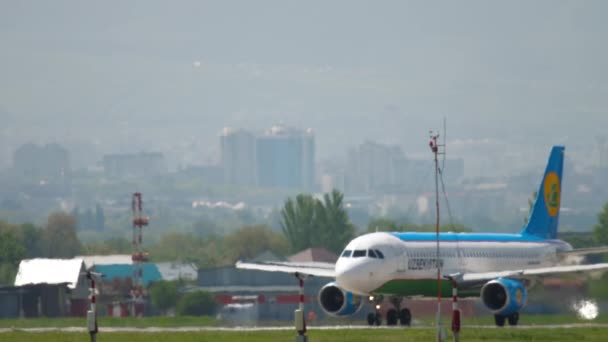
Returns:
<point x="585" y="251"/>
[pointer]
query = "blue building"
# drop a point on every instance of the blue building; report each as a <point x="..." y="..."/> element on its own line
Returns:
<point x="285" y="158"/>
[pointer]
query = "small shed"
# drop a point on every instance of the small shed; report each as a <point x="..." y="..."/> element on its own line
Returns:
<point x="52" y="287"/>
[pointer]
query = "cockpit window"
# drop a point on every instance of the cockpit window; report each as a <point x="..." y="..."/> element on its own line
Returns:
<point x="380" y="255"/>
<point x="346" y="253"/>
<point x="359" y="253"/>
<point x="371" y="253"/>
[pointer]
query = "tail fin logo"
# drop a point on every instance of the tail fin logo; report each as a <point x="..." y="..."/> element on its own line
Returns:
<point x="551" y="190"/>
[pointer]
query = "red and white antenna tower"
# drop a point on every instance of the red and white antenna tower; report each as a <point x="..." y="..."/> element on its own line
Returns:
<point x="138" y="256"/>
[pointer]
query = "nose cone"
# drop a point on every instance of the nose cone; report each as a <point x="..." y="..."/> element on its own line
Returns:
<point x="354" y="275"/>
<point x="346" y="275"/>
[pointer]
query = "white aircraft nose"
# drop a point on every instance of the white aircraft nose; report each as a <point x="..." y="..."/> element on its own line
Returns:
<point x="351" y="276"/>
<point x="346" y="277"/>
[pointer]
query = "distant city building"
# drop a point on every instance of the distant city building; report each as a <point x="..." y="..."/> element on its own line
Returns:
<point x="285" y="158"/>
<point x="372" y="166"/>
<point x="238" y="157"/>
<point x="134" y="165"/>
<point x="212" y="174"/>
<point x="49" y="162"/>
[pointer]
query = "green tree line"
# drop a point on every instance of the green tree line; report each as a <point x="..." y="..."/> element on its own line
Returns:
<point x="306" y="221"/>
<point x="57" y="239"/>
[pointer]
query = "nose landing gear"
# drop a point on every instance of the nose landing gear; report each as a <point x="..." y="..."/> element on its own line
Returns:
<point x="394" y="315"/>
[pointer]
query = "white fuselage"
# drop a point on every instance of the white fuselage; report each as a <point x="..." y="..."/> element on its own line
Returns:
<point x="416" y="259"/>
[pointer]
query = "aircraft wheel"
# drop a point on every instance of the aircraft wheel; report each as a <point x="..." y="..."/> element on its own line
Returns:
<point x="405" y="317"/>
<point x="499" y="320"/>
<point x="371" y="318"/>
<point x="391" y="317"/>
<point x="513" y="318"/>
<point x="378" y="319"/>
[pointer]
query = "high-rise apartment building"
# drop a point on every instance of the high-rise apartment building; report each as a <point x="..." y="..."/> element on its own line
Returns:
<point x="285" y="158"/>
<point x="238" y="156"/>
<point x="373" y="165"/>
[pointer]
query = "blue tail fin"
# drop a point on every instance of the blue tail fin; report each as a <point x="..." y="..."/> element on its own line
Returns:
<point x="545" y="213"/>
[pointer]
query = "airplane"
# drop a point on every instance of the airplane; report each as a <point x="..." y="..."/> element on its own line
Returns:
<point x="499" y="268"/>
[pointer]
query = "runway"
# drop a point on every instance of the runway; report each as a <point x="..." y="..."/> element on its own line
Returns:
<point x="334" y="327"/>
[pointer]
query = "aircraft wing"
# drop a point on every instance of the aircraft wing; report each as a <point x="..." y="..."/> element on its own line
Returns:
<point x="477" y="278"/>
<point x="317" y="269"/>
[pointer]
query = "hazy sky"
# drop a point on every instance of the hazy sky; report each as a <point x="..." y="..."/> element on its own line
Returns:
<point x="159" y="72"/>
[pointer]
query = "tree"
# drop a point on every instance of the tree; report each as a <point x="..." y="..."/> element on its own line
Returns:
<point x="333" y="225"/>
<point x="31" y="238"/>
<point x="600" y="231"/>
<point x="204" y="227"/>
<point x="110" y="246"/>
<point x="164" y="295"/>
<point x="177" y="247"/>
<point x="308" y="222"/>
<point x="197" y="303"/>
<point x="298" y="221"/>
<point x="11" y="253"/>
<point x="386" y="225"/>
<point x="250" y="241"/>
<point x="60" y="236"/>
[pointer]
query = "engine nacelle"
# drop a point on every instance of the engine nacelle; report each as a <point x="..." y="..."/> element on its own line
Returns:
<point x="504" y="296"/>
<point x="337" y="302"/>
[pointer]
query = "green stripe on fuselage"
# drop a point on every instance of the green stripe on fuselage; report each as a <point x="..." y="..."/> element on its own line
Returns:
<point x="421" y="287"/>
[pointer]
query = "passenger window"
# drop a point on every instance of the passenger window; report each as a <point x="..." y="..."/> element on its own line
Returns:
<point x="371" y="253"/>
<point x="359" y="253"/>
<point x="380" y="255"/>
<point x="346" y="253"/>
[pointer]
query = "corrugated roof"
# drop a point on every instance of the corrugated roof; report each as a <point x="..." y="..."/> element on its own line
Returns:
<point x="267" y="256"/>
<point x="150" y="272"/>
<point x="114" y="259"/>
<point x="49" y="271"/>
<point x="175" y="271"/>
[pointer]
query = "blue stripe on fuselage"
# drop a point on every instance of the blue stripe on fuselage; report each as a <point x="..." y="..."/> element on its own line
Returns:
<point x="467" y="237"/>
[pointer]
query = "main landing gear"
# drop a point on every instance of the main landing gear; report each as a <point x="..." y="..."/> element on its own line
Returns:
<point x="394" y="315"/>
<point x="513" y="319"/>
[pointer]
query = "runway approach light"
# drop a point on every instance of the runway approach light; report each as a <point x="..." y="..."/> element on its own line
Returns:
<point x="378" y="307"/>
<point x="371" y="298"/>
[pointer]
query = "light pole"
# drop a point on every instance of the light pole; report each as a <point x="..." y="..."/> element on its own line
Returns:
<point x="92" y="312"/>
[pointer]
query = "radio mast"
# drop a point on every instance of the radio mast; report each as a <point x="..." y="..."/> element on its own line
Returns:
<point x="435" y="146"/>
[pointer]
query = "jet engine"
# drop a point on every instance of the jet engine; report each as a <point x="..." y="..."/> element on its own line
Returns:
<point x="337" y="302"/>
<point x="504" y="296"/>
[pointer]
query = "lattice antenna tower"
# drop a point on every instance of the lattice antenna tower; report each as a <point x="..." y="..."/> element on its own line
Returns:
<point x="138" y="256"/>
